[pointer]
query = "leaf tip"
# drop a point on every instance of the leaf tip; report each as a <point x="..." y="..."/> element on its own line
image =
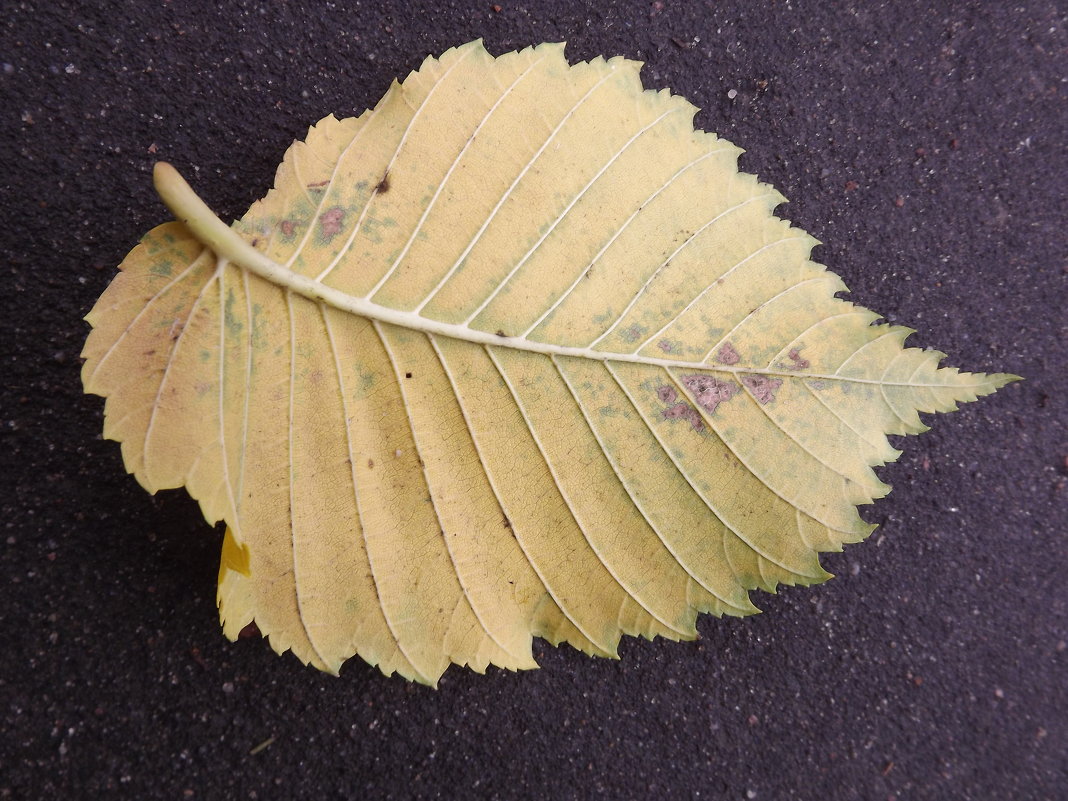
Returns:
<point x="1000" y="380"/>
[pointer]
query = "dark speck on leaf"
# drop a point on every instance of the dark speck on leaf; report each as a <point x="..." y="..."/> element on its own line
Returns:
<point x="383" y="185"/>
<point x="407" y="375"/>
<point x="501" y="333"/>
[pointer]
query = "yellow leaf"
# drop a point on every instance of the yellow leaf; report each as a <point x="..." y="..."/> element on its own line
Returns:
<point x="516" y="353"/>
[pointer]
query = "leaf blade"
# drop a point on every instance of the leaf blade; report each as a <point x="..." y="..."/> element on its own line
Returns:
<point x="551" y="369"/>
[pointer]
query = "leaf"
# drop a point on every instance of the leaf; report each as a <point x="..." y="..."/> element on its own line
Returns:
<point x="516" y="353"/>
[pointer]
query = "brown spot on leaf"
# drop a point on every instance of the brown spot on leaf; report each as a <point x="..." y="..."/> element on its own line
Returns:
<point x="709" y="391"/>
<point x="762" y="387"/>
<point x="727" y="354"/>
<point x="407" y="375"/>
<point x="370" y="464"/>
<point x="383" y="185"/>
<point x="331" y="221"/>
<point x="288" y="227"/>
<point x="500" y="333"/>
<point x="318" y="184"/>
<point x="667" y="393"/>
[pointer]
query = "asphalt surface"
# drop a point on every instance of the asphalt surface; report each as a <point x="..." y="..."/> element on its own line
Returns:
<point x="923" y="143"/>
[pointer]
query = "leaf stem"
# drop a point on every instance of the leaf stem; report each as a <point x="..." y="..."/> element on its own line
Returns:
<point x="189" y="209"/>
<point x="228" y="244"/>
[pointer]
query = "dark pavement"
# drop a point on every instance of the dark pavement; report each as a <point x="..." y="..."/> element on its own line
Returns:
<point x="924" y="143"/>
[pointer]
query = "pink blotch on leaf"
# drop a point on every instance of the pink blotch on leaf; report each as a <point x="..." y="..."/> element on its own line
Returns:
<point x="684" y="411"/>
<point x="727" y="354"/>
<point x="331" y="220"/>
<point x="666" y="394"/>
<point x="762" y="387"/>
<point x="797" y="362"/>
<point x="709" y="391"/>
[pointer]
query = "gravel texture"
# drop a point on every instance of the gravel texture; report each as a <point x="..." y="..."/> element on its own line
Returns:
<point x="923" y="142"/>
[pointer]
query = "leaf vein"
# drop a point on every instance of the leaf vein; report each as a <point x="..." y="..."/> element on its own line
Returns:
<point x="400" y="146"/>
<point x="652" y="277"/>
<point x="615" y="235"/>
<point x="490" y="479"/>
<point x="441" y="184"/>
<point x="752" y="312"/>
<point x="556" y="481"/>
<point x="356" y="494"/>
<point x="508" y="192"/>
<point x="708" y="421"/>
<point x="148" y="305"/>
<point x="727" y="526"/>
<point x="290" y="442"/>
<point x="709" y="288"/>
<point x="465" y="594"/>
<point x="504" y="282"/>
<point x="330" y="182"/>
<point x="170" y="361"/>
<point x="630" y="495"/>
